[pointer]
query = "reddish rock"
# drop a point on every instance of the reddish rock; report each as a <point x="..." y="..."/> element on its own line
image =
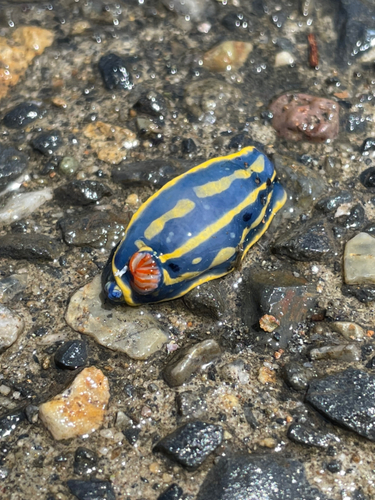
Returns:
<point x="79" y="409"/>
<point x="303" y="117"/>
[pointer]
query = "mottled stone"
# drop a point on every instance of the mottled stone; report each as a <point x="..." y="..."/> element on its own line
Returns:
<point x="12" y="286"/>
<point x="21" y="115"/>
<point x="348" y="329"/>
<point x="298" y="376"/>
<point x="85" y="461"/>
<point x="10" y="422"/>
<point x="348" y="399"/>
<point x="191" y="444"/>
<point x="310" y="434"/>
<point x="299" y="117"/>
<point x="190" y="360"/>
<point x="79" y="410"/>
<point x="191" y="405"/>
<point x="307" y="241"/>
<point x="92" y="489"/>
<point x="188" y="146"/>
<point x="12" y="164"/>
<point x="153" y="173"/>
<point x="68" y="166"/>
<point x="82" y="192"/>
<point x="254" y="477"/>
<point x="359" y="260"/>
<point x="227" y="55"/>
<point x="331" y="203"/>
<point x="342" y="352"/>
<point x="30" y="246"/>
<point x="206" y="300"/>
<point x="363" y="294"/>
<point x="110" y="142"/>
<point x="11" y="327"/>
<point x="95" y="229"/>
<point x="125" y="329"/>
<point x="71" y="354"/>
<point x="115" y="73"/>
<point x="236" y="372"/>
<point x="280" y="294"/>
<point x="18" y="51"/>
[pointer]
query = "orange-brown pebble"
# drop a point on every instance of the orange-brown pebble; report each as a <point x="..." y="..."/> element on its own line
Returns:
<point x="370" y="333"/>
<point x="227" y="55"/>
<point x="278" y="354"/>
<point x="266" y="375"/>
<point x="155" y="468"/>
<point x="79" y="409"/>
<point x="269" y="323"/>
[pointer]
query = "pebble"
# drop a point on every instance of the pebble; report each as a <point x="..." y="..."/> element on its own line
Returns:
<point x="299" y="117"/>
<point x="359" y="258"/>
<point x="115" y="73"/>
<point x="79" y="410"/>
<point x="347" y="398"/>
<point x="298" y="376"/>
<point x="10" y="422"/>
<point x="174" y="492"/>
<point x="31" y="246"/>
<point x="82" y="192"/>
<point x="71" y="354"/>
<point x="93" y="228"/>
<point x="26" y="42"/>
<point x="310" y="434"/>
<point x="234" y="20"/>
<point x="85" y="461"/>
<point x="363" y="294"/>
<point x="210" y="98"/>
<point x="349" y="330"/>
<point x="307" y="241"/>
<point x="152" y="103"/>
<point x="367" y="178"/>
<point x="283" y="58"/>
<point x="11" y="327"/>
<point x="206" y="300"/>
<point x="153" y="173"/>
<point x="47" y="142"/>
<point x="12" y="286"/>
<point x="12" y="164"/>
<point x="93" y="489"/>
<point x="236" y="372"/>
<point x="124" y="329"/>
<point x="331" y="203"/>
<point x="189" y="361"/>
<point x="21" y="115"/>
<point x="347" y="352"/>
<point x="191" y="444"/>
<point x="110" y="142"/>
<point x="68" y="166"/>
<point x="188" y="146"/>
<point x="226" y="56"/>
<point x="191" y="405"/>
<point x="255" y="476"/>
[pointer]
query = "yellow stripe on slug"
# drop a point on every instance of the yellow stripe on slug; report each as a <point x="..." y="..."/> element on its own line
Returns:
<point x="220" y="185"/>
<point x="222" y="256"/>
<point x="182" y="208"/>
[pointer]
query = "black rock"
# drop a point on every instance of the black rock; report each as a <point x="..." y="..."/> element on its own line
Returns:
<point x="234" y="20"/>
<point x="309" y="434"/>
<point x="132" y="434"/>
<point x="311" y="241"/>
<point x="249" y="415"/>
<point x="91" y="490"/>
<point x="367" y="178"/>
<point x="93" y="228"/>
<point x="21" y="115"/>
<point x="331" y="203"/>
<point x="356" y="217"/>
<point x="115" y="73"/>
<point x="298" y="376"/>
<point x="154" y="173"/>
<point x="152" y="103"/>
<point x="206" y="300"/>
<point x="363" y="294"/>
<point x="191" y="444"/>
<point x="368" y="144"/>
<point x="85" y="461"/>
<point x="188" y="146"/>
<point x="9" y="423"/>
<point x="239" y="141"/>
<point x="71" y="354"/>
<point x="348" y="399"/>
<point x="251" y="477"/>
<point x="30" y="246"/>
<point x="334" y="466"/>
<point x="82" y="192"/>
<point x="191" y="405"/>
<point x="12" y="164"/>
<point x="174" y="492"/>
<point x="47" y="142"/>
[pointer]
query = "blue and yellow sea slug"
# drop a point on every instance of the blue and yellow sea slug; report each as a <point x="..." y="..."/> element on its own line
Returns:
<point x="196" y="228"/>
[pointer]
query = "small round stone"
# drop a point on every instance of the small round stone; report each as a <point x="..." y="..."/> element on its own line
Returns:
<point x="68" y="165"/>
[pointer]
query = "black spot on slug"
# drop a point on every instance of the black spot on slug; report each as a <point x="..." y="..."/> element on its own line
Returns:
<point x="263" y="199"/>
<point x="175" y="268"/>
<point x="257" y="180"/>
<point x="269" y="182"/>
<point x="246" y="217"/>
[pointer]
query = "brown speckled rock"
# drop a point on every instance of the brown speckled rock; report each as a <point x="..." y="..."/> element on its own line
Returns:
<point x="79" y="409"/>
<point x="303" y="117"/>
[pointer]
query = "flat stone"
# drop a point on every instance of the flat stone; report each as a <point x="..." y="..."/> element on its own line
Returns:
<point x="310" y="434"/>
<point x="24" y="204"/>
<point x="21" y="115"/>
<point x="228" y="55"/>
<point x="343" y="352"/>
<point x="91" y="490"/>
<point x="191" y="444"/>
<point x="82" y="192"/>
<point x="125" y="329"/>
<point x="11" y="327"/>
<point x="30" y="246"/>
<point x="47" y="142"/>
<point x="359" y="260"/>
<point x="348" y="329"/>
<point x="71" y="354"/>
<point x="79" y="410"/>
<point x="348" y="399"/>
<point x="190" y="360"/>
<point x="254" y="477"/>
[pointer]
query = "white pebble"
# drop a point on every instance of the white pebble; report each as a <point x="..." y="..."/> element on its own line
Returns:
<point x="283" y="59"/>
<point x="23" y="204"/>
